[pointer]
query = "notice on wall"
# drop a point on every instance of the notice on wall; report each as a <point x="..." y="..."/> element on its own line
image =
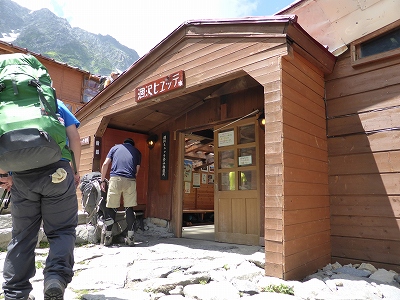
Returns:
<point x="245" y="160"/>
<point x="226" y="138"/>
<point x="196" y="180"/>
<point x="204" y="178"/>
<point x="210" y="178"/>
<point x="187" y="187"/>
<point x="187" y="171"/>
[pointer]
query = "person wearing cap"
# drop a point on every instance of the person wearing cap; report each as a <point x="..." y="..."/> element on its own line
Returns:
<point x="125" y="162"/>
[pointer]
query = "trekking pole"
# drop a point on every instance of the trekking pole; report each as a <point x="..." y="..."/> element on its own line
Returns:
<point x="73" y="161"/>
<point x="5" y="202"/>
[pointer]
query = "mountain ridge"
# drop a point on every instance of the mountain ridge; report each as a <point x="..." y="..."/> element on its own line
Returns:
<point x="43" y="32"/>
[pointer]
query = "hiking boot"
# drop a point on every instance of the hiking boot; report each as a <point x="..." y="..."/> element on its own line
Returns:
<point x="107" y="238"/>
<point x="130" y="239"/>
<point x="30" y="297"/>
<point x="53" y="290"/>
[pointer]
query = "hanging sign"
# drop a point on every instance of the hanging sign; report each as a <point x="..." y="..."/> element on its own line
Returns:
<point x="160" y="86"/>
<point x="164" y="155"/>
<point x="97" y="148"/>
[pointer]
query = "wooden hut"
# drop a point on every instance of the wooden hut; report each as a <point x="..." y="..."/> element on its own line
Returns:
<point x="199" y="95"/>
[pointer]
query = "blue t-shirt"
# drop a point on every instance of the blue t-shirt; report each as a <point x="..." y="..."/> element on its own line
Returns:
<point x="67" y="116"/>
<point x="125" y="158"/>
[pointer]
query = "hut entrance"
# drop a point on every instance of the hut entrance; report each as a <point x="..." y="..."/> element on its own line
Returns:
<point x="237" y="183"/>
<point x="198" y="195"/>
<point x="221" y="198"/>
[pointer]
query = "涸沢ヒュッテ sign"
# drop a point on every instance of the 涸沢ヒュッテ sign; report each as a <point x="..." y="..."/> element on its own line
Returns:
<point x="160" y="86"/>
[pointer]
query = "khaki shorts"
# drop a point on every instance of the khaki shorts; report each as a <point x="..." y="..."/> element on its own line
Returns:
<point x="121" y="186"/>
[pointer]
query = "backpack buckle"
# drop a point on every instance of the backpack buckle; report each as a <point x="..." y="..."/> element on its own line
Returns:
<point x="34" y="82"/>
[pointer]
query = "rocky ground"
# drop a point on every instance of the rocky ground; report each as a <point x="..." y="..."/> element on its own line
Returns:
<point x="166" y="268"/>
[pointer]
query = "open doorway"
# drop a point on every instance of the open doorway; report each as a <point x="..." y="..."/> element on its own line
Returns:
<point x="198" y="194"/>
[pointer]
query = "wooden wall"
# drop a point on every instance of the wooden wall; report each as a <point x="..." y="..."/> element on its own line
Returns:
<point x="364" y="162"/>
<point x="306" y="225"/>
<point x="201" y="198"/>
<point x="67" y="81"/>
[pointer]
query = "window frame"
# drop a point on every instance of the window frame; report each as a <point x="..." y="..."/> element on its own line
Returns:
<point x="355" y="47"/>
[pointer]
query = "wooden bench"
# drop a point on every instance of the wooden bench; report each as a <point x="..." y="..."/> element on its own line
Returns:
<point x="200" y="212"/>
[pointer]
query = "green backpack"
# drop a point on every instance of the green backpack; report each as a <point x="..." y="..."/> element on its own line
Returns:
<point x="31" y="134"/>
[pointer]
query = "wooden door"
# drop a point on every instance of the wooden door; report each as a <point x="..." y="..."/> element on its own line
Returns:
<point x="237" y="183"/>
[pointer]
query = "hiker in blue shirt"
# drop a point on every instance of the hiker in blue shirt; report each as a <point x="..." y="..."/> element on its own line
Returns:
<point x="125" y="162"/>
<point x="45" y="194"/>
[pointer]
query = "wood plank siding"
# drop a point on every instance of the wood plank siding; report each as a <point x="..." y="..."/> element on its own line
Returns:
<point x="303" y="176"/>
<point x="67" y="82"/>
<point x="364" y="162"/>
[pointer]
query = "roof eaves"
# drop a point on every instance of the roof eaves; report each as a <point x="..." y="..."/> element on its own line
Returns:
<point x="199" y="22"/>
<point x="289" y="7"/>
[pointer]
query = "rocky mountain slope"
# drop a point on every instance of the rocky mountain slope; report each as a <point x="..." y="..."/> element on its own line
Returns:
<point x="44" y="33"/>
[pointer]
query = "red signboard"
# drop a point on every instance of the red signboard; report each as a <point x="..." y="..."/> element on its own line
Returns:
<point x="160" y="86"/>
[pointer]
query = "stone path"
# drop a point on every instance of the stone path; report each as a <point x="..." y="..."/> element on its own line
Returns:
<point x="166" y="268"/>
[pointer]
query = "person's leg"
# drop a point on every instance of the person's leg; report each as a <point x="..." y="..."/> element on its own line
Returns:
<point x="60" y="218"/>
<point x="19" y="265"/>
<point x="130" y="218"/>
<point x="110" y="214"/>
<point x="112" y="204"/>
<point x="130" y="200"/>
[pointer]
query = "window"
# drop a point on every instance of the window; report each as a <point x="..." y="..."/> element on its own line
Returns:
<point x="382" y="44"/>
<point x="90" y="89"/>
<point x="387" y="42"/>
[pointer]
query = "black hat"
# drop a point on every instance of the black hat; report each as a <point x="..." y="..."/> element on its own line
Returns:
<point x="129" y="141"/>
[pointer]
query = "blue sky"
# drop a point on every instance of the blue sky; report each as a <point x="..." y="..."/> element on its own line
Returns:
<point x="141" y="25"/>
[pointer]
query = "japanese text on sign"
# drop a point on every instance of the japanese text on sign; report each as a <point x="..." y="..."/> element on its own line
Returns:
<point x="164" y="155"/>
<point x="160" y="86"/>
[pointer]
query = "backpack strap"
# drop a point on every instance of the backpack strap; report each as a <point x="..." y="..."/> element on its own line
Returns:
<point x="14" y="83"/>
<point x="36" y="83"/>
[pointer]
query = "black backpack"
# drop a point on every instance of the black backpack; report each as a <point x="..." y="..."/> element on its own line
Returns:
<point x="93" y="198"/>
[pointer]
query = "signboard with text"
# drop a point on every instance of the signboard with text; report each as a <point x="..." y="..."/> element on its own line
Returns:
<point x="85" y="140"/>
<point x="160" y="86"/>
<point x="164" y="155"/>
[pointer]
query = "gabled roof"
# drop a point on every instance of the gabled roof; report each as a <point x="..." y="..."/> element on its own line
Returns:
<point x="282" y="26"/>
<point x="337" y="23"/>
